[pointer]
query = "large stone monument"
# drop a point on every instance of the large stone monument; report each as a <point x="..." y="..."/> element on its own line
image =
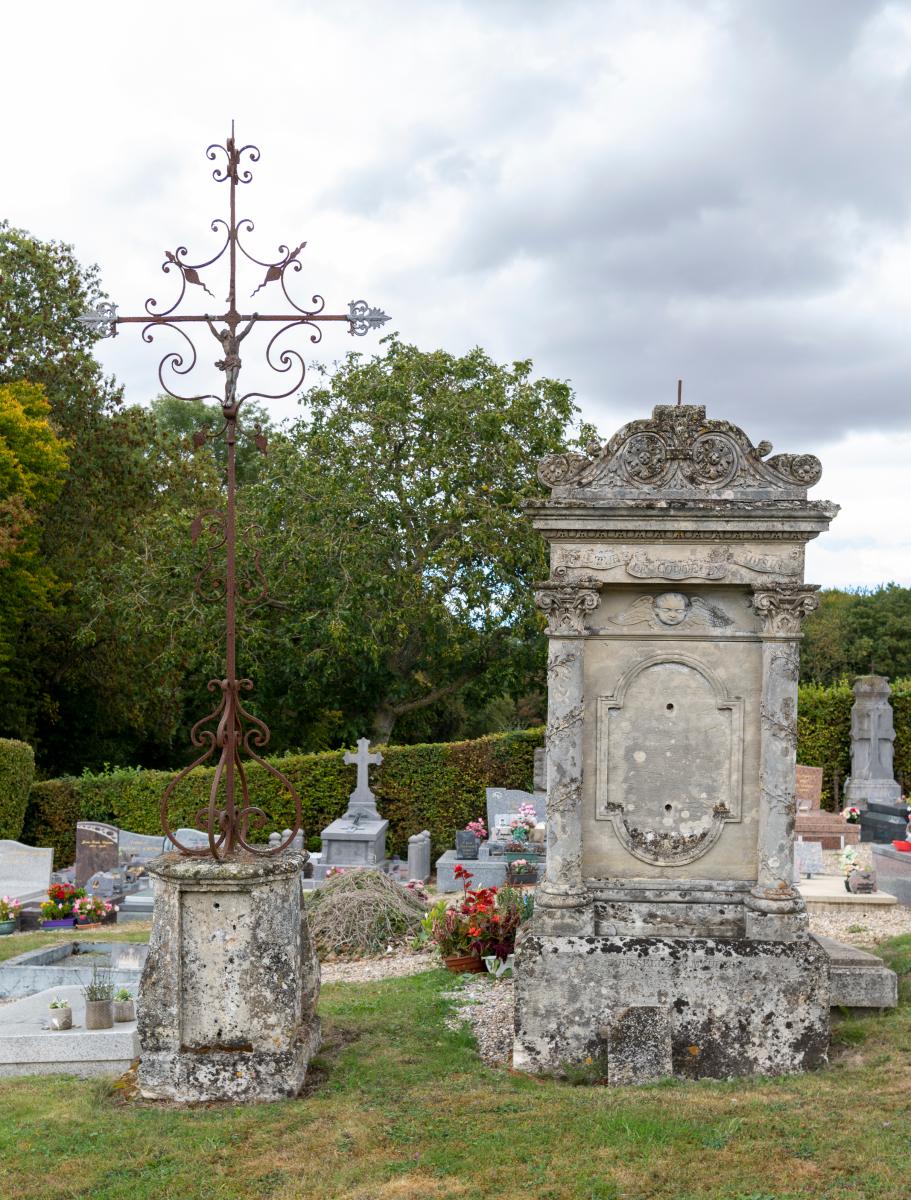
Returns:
<point x="668" y="916"/>
<point x="358" y="839"/>
<point x="872" y="737"/>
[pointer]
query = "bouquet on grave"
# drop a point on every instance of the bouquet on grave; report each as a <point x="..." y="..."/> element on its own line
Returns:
<point x="89" y="910"/>
<point x="851" y="814"/>
<point x="60" y="900"/>
<point x="523" y="823"/>
<point x="9" y="908"/>
<point x="847" y="860"/>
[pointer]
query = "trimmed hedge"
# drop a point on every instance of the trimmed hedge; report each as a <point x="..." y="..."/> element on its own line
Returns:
<point x="17" y="769"/>
<point x="436" y="787"/>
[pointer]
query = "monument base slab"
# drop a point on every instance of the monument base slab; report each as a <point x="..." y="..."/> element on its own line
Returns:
<point x="230" y="985"/>
<point x="734" y="1007"/>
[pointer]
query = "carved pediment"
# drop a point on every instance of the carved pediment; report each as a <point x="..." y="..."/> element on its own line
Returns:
<point x="679" y="450"/>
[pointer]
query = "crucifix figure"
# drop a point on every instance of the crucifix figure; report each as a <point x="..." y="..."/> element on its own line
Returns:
<point x="230" y="728"/>
<point x="362" y="802"/>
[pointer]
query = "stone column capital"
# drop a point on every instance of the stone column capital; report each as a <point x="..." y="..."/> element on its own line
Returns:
<point x="565" y="601"/>
<point x="783" y="606"/>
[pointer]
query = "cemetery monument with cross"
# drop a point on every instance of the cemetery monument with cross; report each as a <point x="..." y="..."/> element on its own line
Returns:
<point x="229" y="923"/>
<point x="357" y="839"/>
<point x="668" y="936"/>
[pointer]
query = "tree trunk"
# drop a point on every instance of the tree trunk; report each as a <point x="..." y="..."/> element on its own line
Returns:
<point x="384" y="720"/>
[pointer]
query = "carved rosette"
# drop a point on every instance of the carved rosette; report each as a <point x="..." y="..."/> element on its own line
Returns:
<point x="783" y="607"/>
<point x="565" y="602"/>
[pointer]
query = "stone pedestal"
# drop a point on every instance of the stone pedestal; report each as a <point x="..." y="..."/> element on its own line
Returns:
<point x="668" y="910"/>
<point x="229" y="990"/>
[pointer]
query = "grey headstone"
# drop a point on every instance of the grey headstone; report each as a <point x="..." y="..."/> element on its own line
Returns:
<point x="419" y="856"/>
<point x="97" y="849"/>
<point x="540" y="776"/>
<point x="639" y="1045"/>
<point x="195" y="839"/>
<point x="502" y="801"/>
<point x="25" y="871"/>
<point x="808" y="859"/>
<point x="872" y="744"/>
<point x="105" y="883"/>
<point x="139" y="848"/>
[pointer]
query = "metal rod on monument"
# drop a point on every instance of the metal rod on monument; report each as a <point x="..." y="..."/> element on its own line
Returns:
<point x="230" y="728"/>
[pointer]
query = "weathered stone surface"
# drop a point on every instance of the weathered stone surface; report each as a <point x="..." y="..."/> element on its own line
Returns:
<point x="674" y="609"/>
<point x="858" y="979"/>
<point x="737" y="1006"/>
<point x="231" y="982"/>
<point x="639" y="1045"/>
<point x="872" y="744"/>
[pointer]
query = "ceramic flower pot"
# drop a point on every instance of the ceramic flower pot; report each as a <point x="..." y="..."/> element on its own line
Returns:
<point x="464" y="963"/>
<point x="59" y="923"/>
<point x="99" y="1014"/>
<point x="124" y="1010"/>
<point x="466" y="844"/>
<point x="8" y="926"/>
<point x="61" y="1018"/>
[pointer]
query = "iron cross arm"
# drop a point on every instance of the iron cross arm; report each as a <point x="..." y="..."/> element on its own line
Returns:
<point x="361" y="318"/>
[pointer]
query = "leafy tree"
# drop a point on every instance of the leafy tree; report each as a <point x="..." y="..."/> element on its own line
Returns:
<point x="855" y="632"/>
<point x="183" y="419"/>
<point x="32" y="465"/>
<point x="398" y="539"/>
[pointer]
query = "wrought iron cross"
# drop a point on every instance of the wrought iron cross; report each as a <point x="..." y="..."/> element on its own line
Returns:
<point x="230" y="728"/>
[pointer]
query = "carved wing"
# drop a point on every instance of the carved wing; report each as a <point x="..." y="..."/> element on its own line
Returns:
<point x="707" y="616"/>
<point x="640" y="612"/>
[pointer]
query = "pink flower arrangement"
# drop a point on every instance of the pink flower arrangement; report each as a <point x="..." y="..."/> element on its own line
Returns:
<point x="478" y="828"/>
<point x="333" y="871"/>
<point x="9" y="908"/>
<point x="90" y="909"/>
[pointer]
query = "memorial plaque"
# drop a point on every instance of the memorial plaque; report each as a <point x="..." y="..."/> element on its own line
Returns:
<point x="97" y="849"/>
<point x="808" y="860"/>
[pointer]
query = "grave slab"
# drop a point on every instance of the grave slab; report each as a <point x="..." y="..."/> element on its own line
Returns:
<point x="71" y="964"/>
<point x="29" y="1047"/>
<point x="893" y="872"/>
<point x="858" y="979"/>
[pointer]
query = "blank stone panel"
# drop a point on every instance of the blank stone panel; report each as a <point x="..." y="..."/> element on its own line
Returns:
<point x="216" y="939"/>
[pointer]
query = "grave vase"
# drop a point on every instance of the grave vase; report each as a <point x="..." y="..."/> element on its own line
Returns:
<point x="7" y="927"/>
<point x="59" y="923"/>
<point x="99" y="1014"/>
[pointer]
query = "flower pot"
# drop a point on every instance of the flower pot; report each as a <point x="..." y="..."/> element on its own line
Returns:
<point x="124" y="1010"/>
<point x="903" y="846"/>
<point x="8" y="926"/>
<point x="59" y="923"/>
<point x="88" y="924"/>
<point x="466" y="844"/>
<point x="498" y="967"/>
<point x="464" y="964"/>
<point x="99" y="1014"/>
<point x="61" y="1018"/>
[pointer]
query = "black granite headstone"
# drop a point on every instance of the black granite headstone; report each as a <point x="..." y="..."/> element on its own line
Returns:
<point x="883" y="823"/>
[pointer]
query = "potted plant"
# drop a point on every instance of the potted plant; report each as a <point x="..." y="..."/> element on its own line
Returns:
<point x="523" y="823"/>
<point x="484" y="923"/>
<point x="124" y="1005"/>
<point x="9" y="914"/>
<point x="469" y="839"/>
<point x="99" y="1000"/>
<point x="851" y="814"/>
<point x="57" y="909"/>
<point x="61" y="1015"/>
<point x="521" y="872"/>
<point x="91" y="911"/>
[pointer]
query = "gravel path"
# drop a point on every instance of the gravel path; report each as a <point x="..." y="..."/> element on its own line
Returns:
<point x="860" y="929"/>
<point x="488" y="1008"/>
<point x="368" y="970"/>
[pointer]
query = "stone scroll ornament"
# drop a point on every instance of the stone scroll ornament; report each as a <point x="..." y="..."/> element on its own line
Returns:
<point x="678" y="448"/>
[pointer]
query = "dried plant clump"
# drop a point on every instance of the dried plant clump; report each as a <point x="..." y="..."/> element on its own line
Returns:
<point x="361" y="913"/>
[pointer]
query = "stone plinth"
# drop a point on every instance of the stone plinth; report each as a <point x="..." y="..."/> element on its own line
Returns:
<point x="351" y="842"/>
<point x="674" y="611"/>
<point x="229" y="990"/>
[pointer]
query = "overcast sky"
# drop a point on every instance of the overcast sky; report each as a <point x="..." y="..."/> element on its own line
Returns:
<point x="624" y="192"/>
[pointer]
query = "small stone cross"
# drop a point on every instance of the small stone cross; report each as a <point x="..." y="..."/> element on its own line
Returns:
<point x="362" y="797"/>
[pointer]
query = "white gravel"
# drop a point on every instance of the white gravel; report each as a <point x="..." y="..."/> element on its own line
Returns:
<point x="368" y="970"/>
<point x="487" y="1006"/>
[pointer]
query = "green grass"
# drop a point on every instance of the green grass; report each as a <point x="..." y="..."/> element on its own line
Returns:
<point x="401" y="1107"/>
<point x="19" y="943"/>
